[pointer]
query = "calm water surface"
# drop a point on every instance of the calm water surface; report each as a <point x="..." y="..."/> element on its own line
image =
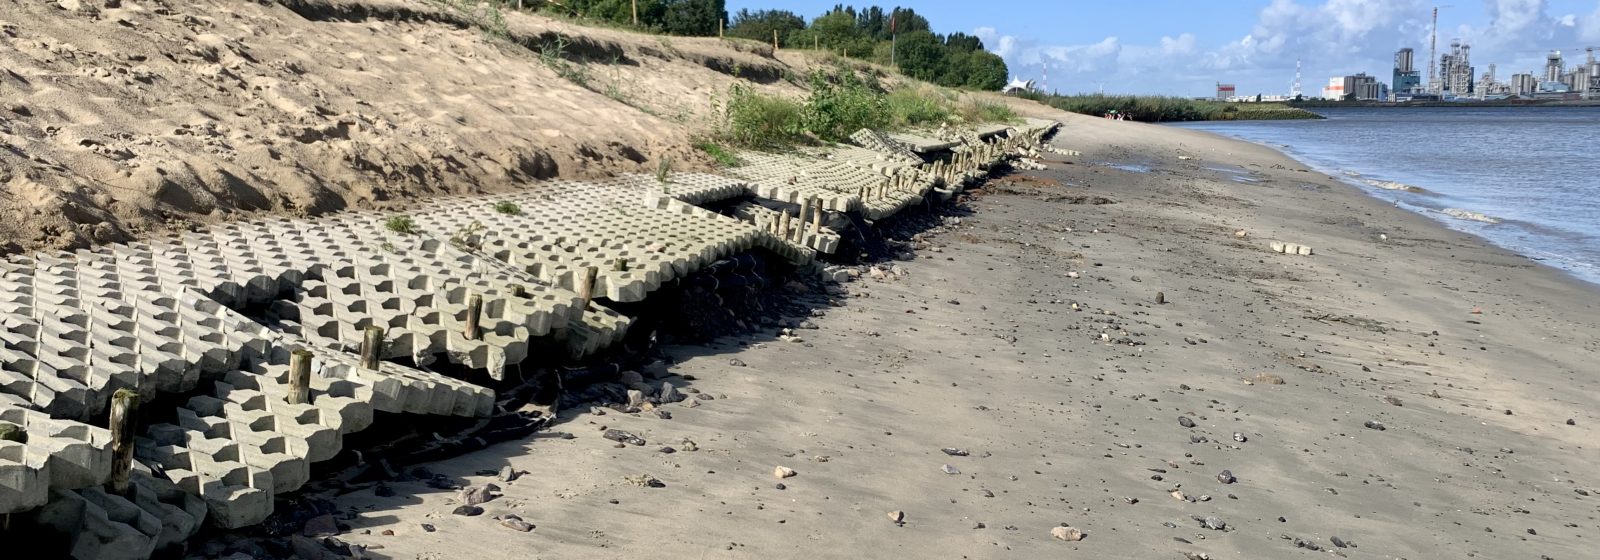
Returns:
<point x="1533" y="170"/>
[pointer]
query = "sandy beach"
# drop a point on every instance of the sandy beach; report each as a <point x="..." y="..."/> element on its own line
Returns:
<point x="1405" y="391"/>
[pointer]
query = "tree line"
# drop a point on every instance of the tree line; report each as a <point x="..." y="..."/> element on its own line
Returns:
<point x="898" y="36"/>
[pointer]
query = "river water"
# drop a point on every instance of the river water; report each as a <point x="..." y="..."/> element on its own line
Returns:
<point x="1525" y="178"/>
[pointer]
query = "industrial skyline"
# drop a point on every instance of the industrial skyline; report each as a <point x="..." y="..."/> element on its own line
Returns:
<point x="1455" y="78"/>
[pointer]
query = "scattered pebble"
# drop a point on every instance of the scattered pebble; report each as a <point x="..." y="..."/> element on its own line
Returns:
<point x="1069" y="534"/>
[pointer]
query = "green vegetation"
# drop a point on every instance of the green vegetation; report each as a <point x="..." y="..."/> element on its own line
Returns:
<point x="673" y="17"/>
<point x="919" y="104"/>
<point x="909" y="43"/>
<point x="1165" y="109"/>
<point x="401" y="224"/>
<point x="554" y="55"/>
<point x="840" y="103"/>
<point x="756" y="120"/>
<point x="663" y="169"/>
<point x="722" y="155"/>
<point x="507" y="207"/>
<point x="979" y="110"/>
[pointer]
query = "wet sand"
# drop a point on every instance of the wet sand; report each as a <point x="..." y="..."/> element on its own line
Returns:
<point x="1427" y="384"/>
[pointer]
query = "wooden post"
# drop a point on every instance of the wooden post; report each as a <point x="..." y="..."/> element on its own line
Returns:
<point x="586" y="284"/>
<point x="805" y="215"/>
<point x="371" y="347"/>
<point x="783" y="225"/>
<point x="816" y="220"/>
<point x="719" y="27"/>
<point x="635" y="13"/>
<point x="124" y="409"/>
<point x="816" y="43"/>
<point x="774" y="41"/>
<point x="300" y="377"/>
<point x="474" y="312"/>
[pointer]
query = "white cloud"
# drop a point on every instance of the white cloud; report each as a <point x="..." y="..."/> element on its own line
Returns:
<point x="1589" y="26"/>
<point x="1330" y="36"/>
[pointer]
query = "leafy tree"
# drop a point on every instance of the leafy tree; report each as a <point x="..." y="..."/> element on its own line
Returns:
<point x="985" y="70"/>
<point x="920" y="55"/>
<point x="963" y="42"/>
<point x="693" y="17"/>
<point x="760" y="24"/>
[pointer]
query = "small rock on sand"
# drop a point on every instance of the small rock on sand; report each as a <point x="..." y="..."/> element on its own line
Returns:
<point x="783" y="472"/>
<point x="623" y="437"/>
<point x="897" y="516"/>
<point x="1069" y="534"/>
<point x="1185" y="422"/>
<point x="515" y="523"/>
<point x="474" y="495"/>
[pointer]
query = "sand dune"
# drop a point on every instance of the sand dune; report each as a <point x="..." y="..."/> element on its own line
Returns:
<point x="151" y="115"/>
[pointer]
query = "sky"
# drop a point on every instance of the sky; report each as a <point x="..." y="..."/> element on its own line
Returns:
<point x="1184" y="47"/>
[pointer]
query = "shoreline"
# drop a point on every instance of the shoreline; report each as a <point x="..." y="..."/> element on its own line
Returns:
<point x="1455" y="219"/>
<point x="1016" y="373"/>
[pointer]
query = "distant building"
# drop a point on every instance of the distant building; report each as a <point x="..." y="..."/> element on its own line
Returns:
<point x="1553" y="67"/>
<point x="1359" y="87"/>
<point x="1018" y="85"/>
<point x="1335" y="89"/>
<point x="1523" y="85"/>
<point x="1456" y="70"/>
<point x="1225" y="91"/>
<point x="1407" y="79"/>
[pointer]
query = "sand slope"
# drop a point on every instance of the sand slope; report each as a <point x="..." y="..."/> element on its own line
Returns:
<point x="125" y="120"/>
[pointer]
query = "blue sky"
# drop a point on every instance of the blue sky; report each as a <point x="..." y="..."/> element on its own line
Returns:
<point x="1185" y="47"/>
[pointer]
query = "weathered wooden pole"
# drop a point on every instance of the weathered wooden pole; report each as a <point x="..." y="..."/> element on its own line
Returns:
<point x="783" y="225"/>
<point x="636" y="13"/>
<point x="124" y="409"/>
<point x="719" y="27"/>
<point x="586" y="284"/>
<point x="299" y="377"/>
<point x="474" y="313"/>
<point x="805" y="215"/>
<point x="816" y="219"/>
<point x="371" y="347"/>
<point x="774" y="40"/>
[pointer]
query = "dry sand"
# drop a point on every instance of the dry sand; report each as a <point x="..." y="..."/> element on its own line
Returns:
<point x="1472" y="359"/>
<point x="122" y="122"/>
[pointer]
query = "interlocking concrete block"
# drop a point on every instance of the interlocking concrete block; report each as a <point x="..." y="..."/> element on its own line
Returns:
<point x="100" y="526"/>
<point x="236" y="494"/>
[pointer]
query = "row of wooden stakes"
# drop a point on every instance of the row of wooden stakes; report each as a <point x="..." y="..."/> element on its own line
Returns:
<point x="793" y="228"/>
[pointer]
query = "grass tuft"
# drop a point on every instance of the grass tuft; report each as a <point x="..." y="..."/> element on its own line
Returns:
<point x="918" y="105"/>
<point x="401" y="224"/>
<point x="975" y="110"/>
<point x="722" y="155"/>
<point x="756" y="120"/>
<point x="663" y="169"/>
<point x="507" y="207"/>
